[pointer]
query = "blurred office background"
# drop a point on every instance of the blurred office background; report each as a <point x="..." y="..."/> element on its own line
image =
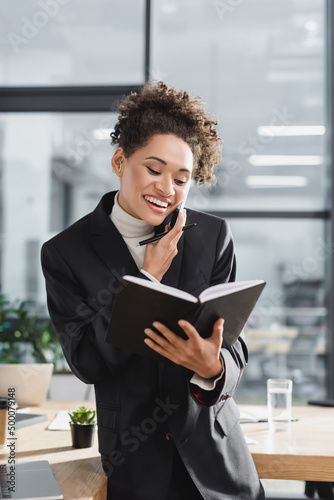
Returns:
<point x="261" y="67"/>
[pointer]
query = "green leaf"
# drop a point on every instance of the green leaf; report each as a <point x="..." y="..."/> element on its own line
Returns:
<point x="82" y="416"/>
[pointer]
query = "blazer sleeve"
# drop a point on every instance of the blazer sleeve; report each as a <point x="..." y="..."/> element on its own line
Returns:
<point x="236" y="356"/>
<point x="80" y="328"/>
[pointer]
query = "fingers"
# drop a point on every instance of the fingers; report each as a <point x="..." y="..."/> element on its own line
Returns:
<point x="192" y="333"/>
<point x="168" y="340"/>
<point x="157" y="348"/>
<point x="217" y="333"/>
<point x="162" y="345"/>
<point x="188" y="329"/>
<point x="159" y="254"/>
<point x="219" y="324"/>
<point x="196" y="354"/>
<point x="173" y="235"/>
<point x="176" y="231"/>
<point x="181" y="219"/>
<point x="171" y="346"/>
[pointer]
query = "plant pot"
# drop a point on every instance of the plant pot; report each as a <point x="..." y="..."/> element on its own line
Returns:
<point x="82" y="435"/>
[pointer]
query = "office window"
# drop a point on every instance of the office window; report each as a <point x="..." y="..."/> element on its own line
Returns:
<point x="62" y="42"/>
<point x="260" y="67"/>
<point x="55" y="168"/>
<point x="287" y="331"/>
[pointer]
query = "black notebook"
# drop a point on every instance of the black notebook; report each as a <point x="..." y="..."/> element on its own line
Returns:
<point x="140" y="302"/>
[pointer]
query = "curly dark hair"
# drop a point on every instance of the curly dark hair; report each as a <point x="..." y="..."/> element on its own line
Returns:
<point x="159" y="109"/>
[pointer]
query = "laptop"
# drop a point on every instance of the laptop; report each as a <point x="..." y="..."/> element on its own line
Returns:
<point x="25" y="419"/>
<point x="29" y="481"/>
<point x="31" y="382"/>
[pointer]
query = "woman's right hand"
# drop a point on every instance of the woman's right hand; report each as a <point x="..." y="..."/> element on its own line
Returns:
<point x="159" y="254"/>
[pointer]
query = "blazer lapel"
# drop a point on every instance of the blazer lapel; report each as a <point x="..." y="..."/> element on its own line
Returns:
<point x="108" y="242"/>
<point x="112" y="249"/>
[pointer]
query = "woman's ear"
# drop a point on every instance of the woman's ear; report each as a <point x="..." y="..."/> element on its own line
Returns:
<point x="117" y="162"/>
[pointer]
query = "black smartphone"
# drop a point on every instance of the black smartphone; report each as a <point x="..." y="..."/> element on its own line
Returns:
<point x="176" y="213"/>
<point x="172" y="224"/>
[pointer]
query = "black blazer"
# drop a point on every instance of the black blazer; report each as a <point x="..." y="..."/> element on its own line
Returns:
<point x="142" y="402"/>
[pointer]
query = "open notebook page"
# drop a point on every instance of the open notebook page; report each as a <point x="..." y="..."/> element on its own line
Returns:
<point x="169" y="290"/>
<point x="227" y="288"/>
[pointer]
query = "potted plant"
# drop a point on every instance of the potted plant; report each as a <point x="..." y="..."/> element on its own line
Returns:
<point x="26" y="338"/>
<point x="82" y="427"/>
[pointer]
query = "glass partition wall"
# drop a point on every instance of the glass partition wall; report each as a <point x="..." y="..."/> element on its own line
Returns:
<point x="261" y="69"/>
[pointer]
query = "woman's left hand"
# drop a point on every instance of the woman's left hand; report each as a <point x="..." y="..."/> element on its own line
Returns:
<point x="202" y="356"/>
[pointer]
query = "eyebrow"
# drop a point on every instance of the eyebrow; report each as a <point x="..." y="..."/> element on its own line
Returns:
<point x="165" y="163"/>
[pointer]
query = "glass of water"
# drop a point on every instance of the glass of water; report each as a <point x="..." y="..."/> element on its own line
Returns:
<point x="279" y="391"/>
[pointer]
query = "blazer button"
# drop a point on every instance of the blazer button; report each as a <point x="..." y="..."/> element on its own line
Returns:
<point x="169" y="436"/>
<point x="224" y="397"/>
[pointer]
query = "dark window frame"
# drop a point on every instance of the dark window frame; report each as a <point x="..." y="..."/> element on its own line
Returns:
<point x="330" y="224"/>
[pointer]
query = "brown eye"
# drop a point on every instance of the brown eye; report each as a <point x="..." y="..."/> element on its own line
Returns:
<point x="153" y="172"/>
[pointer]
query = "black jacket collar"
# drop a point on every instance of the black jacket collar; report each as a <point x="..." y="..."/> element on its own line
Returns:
<point x="112" y="249"/>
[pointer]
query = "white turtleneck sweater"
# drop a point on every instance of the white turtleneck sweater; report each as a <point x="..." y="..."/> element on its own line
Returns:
<point x="134" y="230"/>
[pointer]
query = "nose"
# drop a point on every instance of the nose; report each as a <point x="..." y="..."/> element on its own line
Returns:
<point x="165" y="186"/>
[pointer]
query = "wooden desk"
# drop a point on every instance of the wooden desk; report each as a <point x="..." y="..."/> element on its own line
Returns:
<point x="275" y="341"/>
<point x="304" y="452"/>
<point x="78" y="471"/>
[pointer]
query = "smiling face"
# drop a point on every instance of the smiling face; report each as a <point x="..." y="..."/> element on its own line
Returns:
<point x="155" y="179"/>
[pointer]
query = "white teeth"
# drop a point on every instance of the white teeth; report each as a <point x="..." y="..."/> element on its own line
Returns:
<point x="156" y="201"/>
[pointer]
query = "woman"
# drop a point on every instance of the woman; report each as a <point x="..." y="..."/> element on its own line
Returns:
<point x="167" y="429"/>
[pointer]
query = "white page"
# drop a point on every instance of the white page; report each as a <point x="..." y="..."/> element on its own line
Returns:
<point x="253" y="414"/>
<point x="227" y="288"/>
<point x="169" y="290"/>
<point x="250" y="440"/>
<point x="256" y="414"/>
<point x="61" y="422"/>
